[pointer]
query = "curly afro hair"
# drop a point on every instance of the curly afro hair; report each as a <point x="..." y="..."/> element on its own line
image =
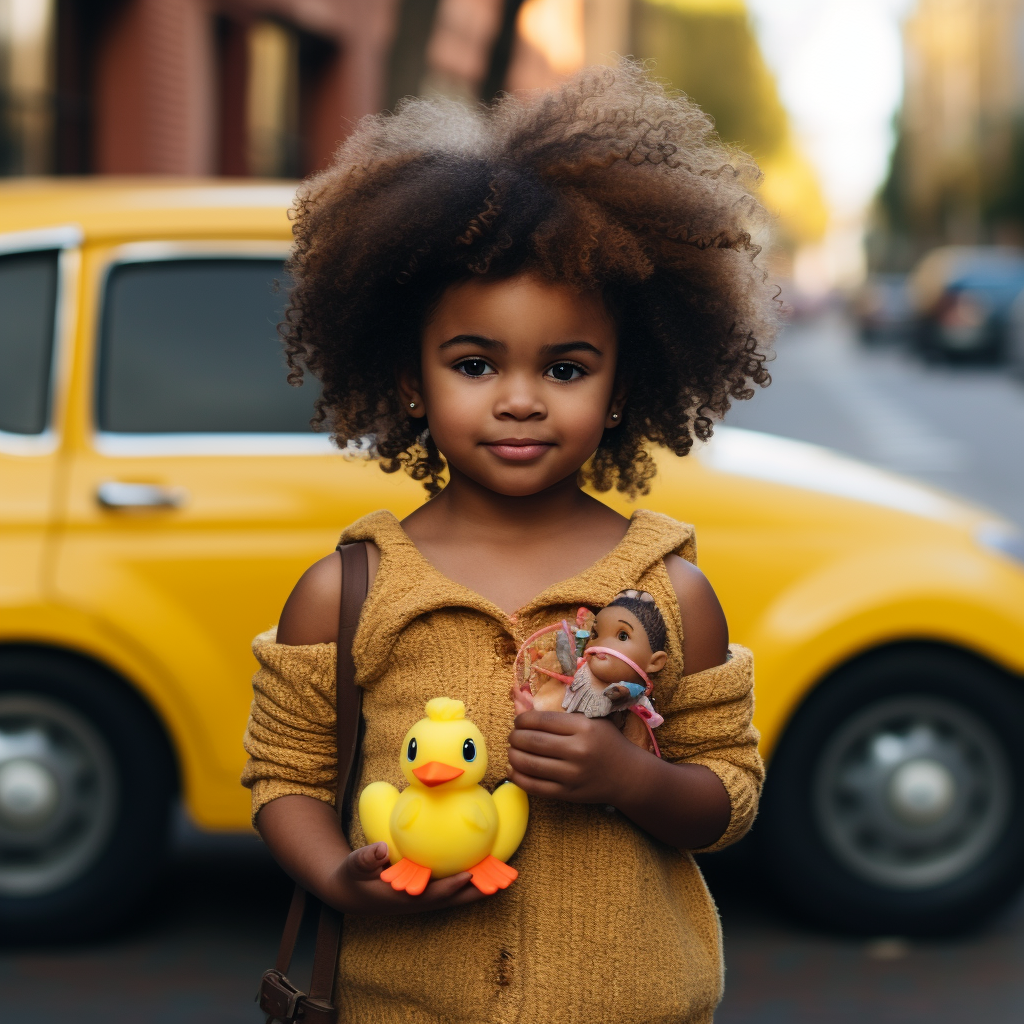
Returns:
<point x="608" y="183"/>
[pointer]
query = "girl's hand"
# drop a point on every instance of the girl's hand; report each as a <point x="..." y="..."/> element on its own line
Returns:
<point x="571" y="757"/>
<point x="359" y="890"/>
<point x="305" y="837"/>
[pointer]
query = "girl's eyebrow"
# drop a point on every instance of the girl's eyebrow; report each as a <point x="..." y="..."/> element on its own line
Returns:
<point x="475" y="339"/>
<point x="626" y="624"/>
<point x="570" y="346"/>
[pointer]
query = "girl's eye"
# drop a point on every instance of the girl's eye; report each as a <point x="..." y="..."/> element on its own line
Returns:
<point x="475" y="368"/>
<point x="567" y="371"/>
<point x="623" y="635"/>
<point x="411" y="753"/>
<point x="469" y="751"/>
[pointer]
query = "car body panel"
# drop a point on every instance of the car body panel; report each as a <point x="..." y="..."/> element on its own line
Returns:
<point x="816" y="558"/>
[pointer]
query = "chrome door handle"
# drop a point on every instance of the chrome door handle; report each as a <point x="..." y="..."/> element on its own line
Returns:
<point x="115" y="494"/>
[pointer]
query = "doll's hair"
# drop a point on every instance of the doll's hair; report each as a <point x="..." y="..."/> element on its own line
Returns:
<point x="642" y="606"/>
<point x="607" y="183"/>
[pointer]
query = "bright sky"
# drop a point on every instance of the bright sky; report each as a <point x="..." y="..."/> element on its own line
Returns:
<point x="839" y="68"/>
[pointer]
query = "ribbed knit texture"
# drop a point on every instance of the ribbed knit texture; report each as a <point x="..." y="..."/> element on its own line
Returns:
<point x="604" y="923"/>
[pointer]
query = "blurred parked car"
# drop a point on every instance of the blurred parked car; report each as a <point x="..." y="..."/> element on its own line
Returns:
<point x="882" y="308"/>
<point x="1015" y="338"/>
<point x="963" y="296"/>
<point x="160" y="493"/>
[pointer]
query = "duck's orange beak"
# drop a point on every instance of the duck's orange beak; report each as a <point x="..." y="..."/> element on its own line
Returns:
<point x="433" y="773"/>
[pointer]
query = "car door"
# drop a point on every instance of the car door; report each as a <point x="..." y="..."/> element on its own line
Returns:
<point x="198" y="492"/>
<point x="37" y="280"/>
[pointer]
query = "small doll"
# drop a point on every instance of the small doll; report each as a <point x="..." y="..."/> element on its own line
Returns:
<point x="606" y="673"/>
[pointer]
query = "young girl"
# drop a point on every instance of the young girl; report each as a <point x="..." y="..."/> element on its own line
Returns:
<point x="522" y="299"/>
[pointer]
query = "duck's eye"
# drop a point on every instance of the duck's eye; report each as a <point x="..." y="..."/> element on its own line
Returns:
<point x="411" y="753"/>
<point x="623" y="635"/>
<point x="469" y="751"/>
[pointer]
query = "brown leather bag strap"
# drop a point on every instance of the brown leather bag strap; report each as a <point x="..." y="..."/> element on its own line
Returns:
<point x="348" y="706"/>
<point x="277" y="995"/>
<point x="289" y="936"/>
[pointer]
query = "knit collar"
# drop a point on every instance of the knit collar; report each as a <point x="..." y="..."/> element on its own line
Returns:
<point x="391" y="606"/>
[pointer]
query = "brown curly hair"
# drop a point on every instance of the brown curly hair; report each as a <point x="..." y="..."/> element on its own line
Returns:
<point x="608" y="183"/>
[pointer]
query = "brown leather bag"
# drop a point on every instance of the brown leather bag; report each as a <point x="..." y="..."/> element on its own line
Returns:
<point x="277" y="996"/>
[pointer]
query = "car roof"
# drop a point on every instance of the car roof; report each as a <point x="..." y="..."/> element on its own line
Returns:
<point x="110" y="208"/>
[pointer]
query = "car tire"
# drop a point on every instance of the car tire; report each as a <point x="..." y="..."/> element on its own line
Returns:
<point x="895" y="802"/>
<point x="86" y="786"/>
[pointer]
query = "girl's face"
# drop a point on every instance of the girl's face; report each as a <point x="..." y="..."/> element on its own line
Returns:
<point x="517" y="381"/>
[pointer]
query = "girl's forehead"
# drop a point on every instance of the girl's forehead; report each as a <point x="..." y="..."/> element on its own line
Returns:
<point x="515" y="305"/>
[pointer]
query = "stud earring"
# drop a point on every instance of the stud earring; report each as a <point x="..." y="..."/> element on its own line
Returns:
<point x="412" y="405"/>
<point x="615" y="415"/>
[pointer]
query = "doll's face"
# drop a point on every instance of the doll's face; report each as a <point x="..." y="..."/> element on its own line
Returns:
<point x="620" y="630"/>
<point x="517" y="381"/>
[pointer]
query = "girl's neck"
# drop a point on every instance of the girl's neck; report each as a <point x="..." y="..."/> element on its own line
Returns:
<point x="473" y="509"/>
<point x="509" y="549"/>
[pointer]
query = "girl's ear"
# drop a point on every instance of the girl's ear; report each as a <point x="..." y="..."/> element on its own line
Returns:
<point x="412" y="399"/>
<point x="614" y="416"/>
<point x="657" y="662"/>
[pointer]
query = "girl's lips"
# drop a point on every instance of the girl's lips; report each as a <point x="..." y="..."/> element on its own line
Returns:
<point x="519" y="451"/>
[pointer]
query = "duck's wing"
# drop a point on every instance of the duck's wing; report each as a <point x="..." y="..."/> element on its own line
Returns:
<point x="376" y="803"/>
<point x="513" y="807"/>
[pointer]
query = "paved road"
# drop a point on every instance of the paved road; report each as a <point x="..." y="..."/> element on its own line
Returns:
<point x="957" y="428"/>
<point x="196" y="953"/>
<point x="962" y="430"/>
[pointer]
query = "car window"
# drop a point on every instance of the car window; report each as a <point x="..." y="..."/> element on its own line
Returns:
<point x="28" y="297"/>
<point x="192" y="346"/>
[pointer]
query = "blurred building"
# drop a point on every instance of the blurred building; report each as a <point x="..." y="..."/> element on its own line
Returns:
<point x="185" y="86"/>
<point x="259" y="87"/>
<point x="958" y="168"/>
<point x="269" y="87"/>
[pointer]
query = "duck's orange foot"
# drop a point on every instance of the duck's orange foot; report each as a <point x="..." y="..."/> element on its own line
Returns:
<point x="491" y="874"/>
<point x="406" y="875"/>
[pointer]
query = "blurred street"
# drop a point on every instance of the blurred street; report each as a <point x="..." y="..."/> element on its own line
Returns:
<point x="958" y="428"/>
<point x="198" y="951"/>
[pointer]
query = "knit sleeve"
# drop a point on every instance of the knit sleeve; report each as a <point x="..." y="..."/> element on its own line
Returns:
<point x="708" y="722"/>
<point x="290" y="737"/>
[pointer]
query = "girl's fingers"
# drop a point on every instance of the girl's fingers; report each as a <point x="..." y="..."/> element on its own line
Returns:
<point x="368" y="861"/>
<point x="557" y="722"/>
<point x="538" y="787"/>
<point x="540" y="767"/>
<point x="533" y="741"/>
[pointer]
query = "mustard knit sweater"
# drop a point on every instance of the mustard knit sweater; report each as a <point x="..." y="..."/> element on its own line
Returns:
<point x="604" y="923"/>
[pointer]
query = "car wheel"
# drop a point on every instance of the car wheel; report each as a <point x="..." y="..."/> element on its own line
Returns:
<point x="86" y="782"/>
<point x="895" y="803"/>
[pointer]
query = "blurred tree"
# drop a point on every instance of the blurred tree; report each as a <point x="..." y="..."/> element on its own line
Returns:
<point x="1004" y="205"/>
<point x="408" y="60"/>
<point x="709" y="50"/>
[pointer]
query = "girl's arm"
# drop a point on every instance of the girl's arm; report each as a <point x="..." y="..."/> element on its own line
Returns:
<point x="588" y="760"/>
<point x="304" y="833"/>
<point x="305" y="837"/>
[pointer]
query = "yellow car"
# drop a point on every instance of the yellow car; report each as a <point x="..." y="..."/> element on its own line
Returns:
<point x="160" y="493"/>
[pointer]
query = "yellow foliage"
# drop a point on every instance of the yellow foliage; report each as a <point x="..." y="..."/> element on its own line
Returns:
<point x="792" y="192"/>
<point x="709" y="50"/>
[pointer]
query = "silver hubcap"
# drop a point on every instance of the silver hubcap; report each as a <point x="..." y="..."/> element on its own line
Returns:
<point x="913" y="792"/>
<point x="58" y="795"/>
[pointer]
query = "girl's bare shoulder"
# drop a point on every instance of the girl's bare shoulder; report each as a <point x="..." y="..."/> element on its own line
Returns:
<point x="705" y="630"/>
<point x="310" y="615"/>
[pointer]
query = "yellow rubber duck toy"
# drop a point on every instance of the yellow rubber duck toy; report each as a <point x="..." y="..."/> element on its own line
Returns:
<point x="445" y="822"/>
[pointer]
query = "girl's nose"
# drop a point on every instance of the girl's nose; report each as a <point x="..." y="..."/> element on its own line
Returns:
<point x="520" y="402"/>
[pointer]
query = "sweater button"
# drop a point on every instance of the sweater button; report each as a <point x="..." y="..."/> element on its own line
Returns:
<point x="503" y="975"/>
